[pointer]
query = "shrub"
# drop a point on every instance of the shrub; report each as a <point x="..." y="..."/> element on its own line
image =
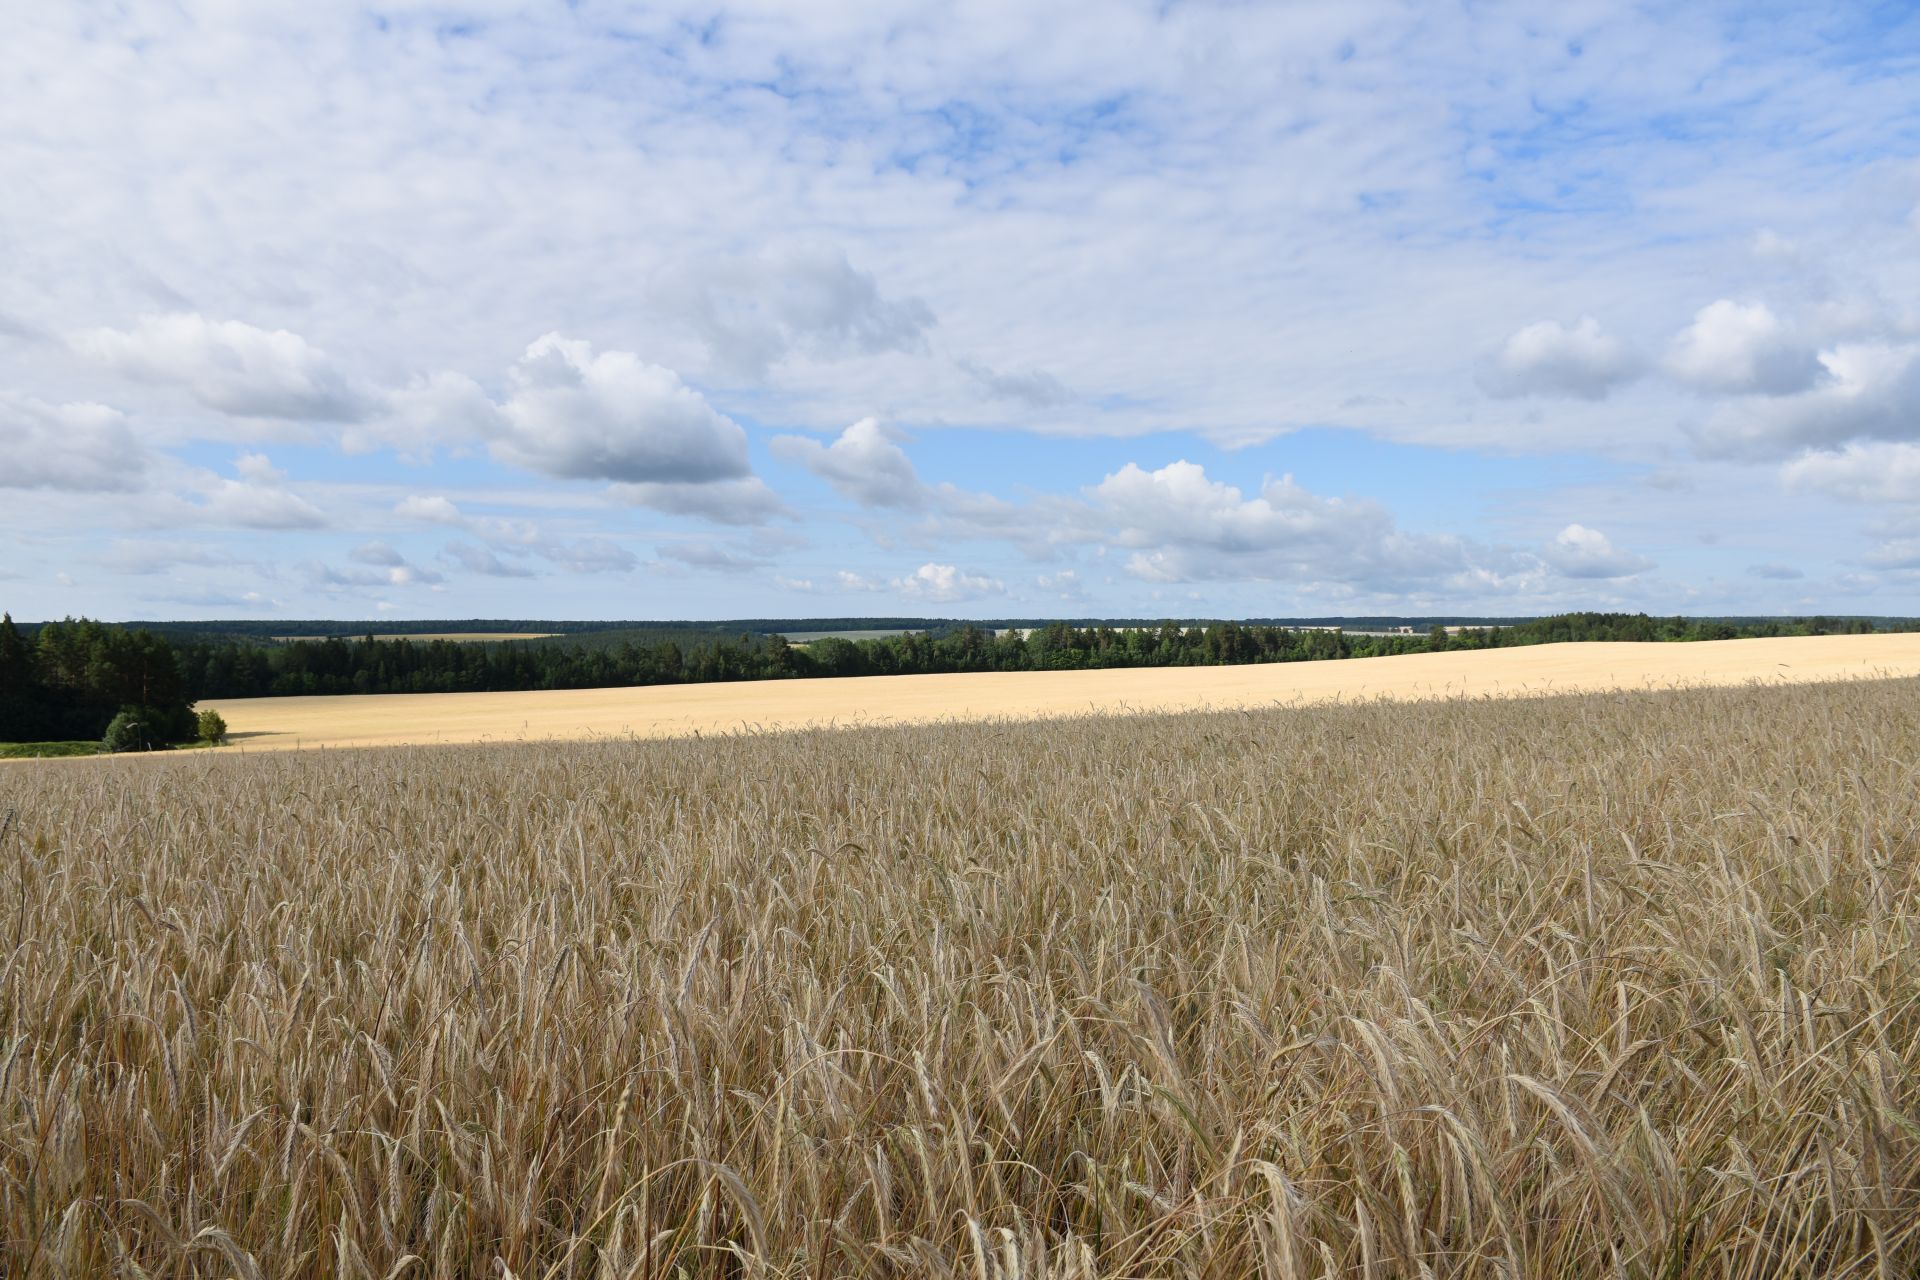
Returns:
<point x="131" y="730"/>
<point x="147" y="728"/>
<point x="212" y="726"/>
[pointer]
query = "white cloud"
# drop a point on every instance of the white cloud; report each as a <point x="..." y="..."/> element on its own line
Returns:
<point x="1775" y="572"/>
<point x="575" y="415"/>
<point x="228" y="365"/>
<point x="1187" y="527"/>
<point x="1871" y="392"/>
<point x="257" y="500"/>
<point x="1877" y="472"/>
<point x="740" y="502"/>
<point x="947" y="584"/>
<point x="430" y="508"/>
<point x="752" y="312"/>
<point x="438" y="410"/>
<point x="863" y="464"/>
<point x="1896" y="553"/>
<point x="79" y="448"/>
<point x="1580" y="552"/>
<point x="1548" y="358"/>
<point x="1742" y="348"/>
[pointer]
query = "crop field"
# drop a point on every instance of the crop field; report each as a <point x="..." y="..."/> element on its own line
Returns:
<point x="672" y="710"/>
<point x="1609" y="983"/>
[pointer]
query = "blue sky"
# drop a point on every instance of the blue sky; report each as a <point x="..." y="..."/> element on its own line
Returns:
<point x="597" y="310"/>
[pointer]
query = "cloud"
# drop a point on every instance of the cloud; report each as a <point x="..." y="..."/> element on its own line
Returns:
<point x="1580" y="552"/>
<point x="1549" y="359"/>
<point x="327" y="578"/>
<point x="228" y="365"/>
<point x="1897" y="553"/>
<point x="1773" y="572"/>
<point x="1879" y="472"/>
<point x="149" y="556"/>
<point x="376" y="553"/>
<point x="1187" y="527"/>
<point x="1742" y="348"/>
<point x="76" y="448"/>
<point x="752" y="312"/>
<point x="430" y="508"/>
<point x="1871" y="392"/>
<point x="863" y="464"/>
<point x="589" y="555"/>
<point x="438" y="410"/>
<point x="1035" y="388"/>
<point x="706" y="555"/>
<point x="257" y="500"/>
<point x="481" y="561"/>
<point x="946" y="584"/>
<point x="575" y="415"/>
<point x="740" y="502"/>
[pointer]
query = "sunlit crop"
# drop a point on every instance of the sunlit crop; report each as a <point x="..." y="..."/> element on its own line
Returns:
<point x="1591" y="985"/>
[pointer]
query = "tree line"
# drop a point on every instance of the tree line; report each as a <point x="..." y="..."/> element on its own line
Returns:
<point x="73" y="678"/>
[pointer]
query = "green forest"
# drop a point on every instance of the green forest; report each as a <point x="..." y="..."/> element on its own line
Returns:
<point x="75" y="680"/>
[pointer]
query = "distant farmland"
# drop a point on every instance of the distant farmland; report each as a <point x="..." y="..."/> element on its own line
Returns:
<point x="668" y="710"/>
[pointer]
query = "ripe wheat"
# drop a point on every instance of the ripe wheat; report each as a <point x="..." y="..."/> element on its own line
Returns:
<point x="1602" y="984"/>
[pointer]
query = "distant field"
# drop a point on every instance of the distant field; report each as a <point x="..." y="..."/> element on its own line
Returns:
<point x="1614" y="985"/>
<point x="808" y="637"/>
<point x="668" y="710"/>
<point x="458" y="637"/>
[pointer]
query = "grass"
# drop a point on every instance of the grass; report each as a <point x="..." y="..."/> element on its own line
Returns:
<point x="1616" y="984"/>
<point x="79" y="747"/>
<point x="48" y="750"/>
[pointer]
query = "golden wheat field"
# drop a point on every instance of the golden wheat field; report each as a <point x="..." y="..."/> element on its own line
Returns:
<point x="671" y="710"/>
<point x="1616" y="984"/>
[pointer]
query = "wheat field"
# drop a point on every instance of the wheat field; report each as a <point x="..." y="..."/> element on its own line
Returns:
<point x="685" y="709"/>
<point x="1614" y="984"/>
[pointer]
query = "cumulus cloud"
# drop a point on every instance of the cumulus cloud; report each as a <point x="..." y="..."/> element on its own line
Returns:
<point x="1188" y="527"/>
<point x="1548" y="358"/>
<point x="438" y="410"/>
<point x="1871" y="392"/>
<point x="228" y="365"/>
<point x="258" y="499"/>
<point x="752" y="312"/>
<point x="863" y="464"/>
<point x="1580" y="552"/>
<point x="577" y="415"/>
<point x="1742" y="348"/>
<point x="947" y="584"/>
<point x="742" y="502"/>
<point x="78" y="448"/>
<point x="1773" y="572"/>
<point x="1878" y="472"/>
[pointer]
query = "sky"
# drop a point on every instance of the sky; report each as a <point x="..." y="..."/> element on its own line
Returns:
<point x="963" y="310"/>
